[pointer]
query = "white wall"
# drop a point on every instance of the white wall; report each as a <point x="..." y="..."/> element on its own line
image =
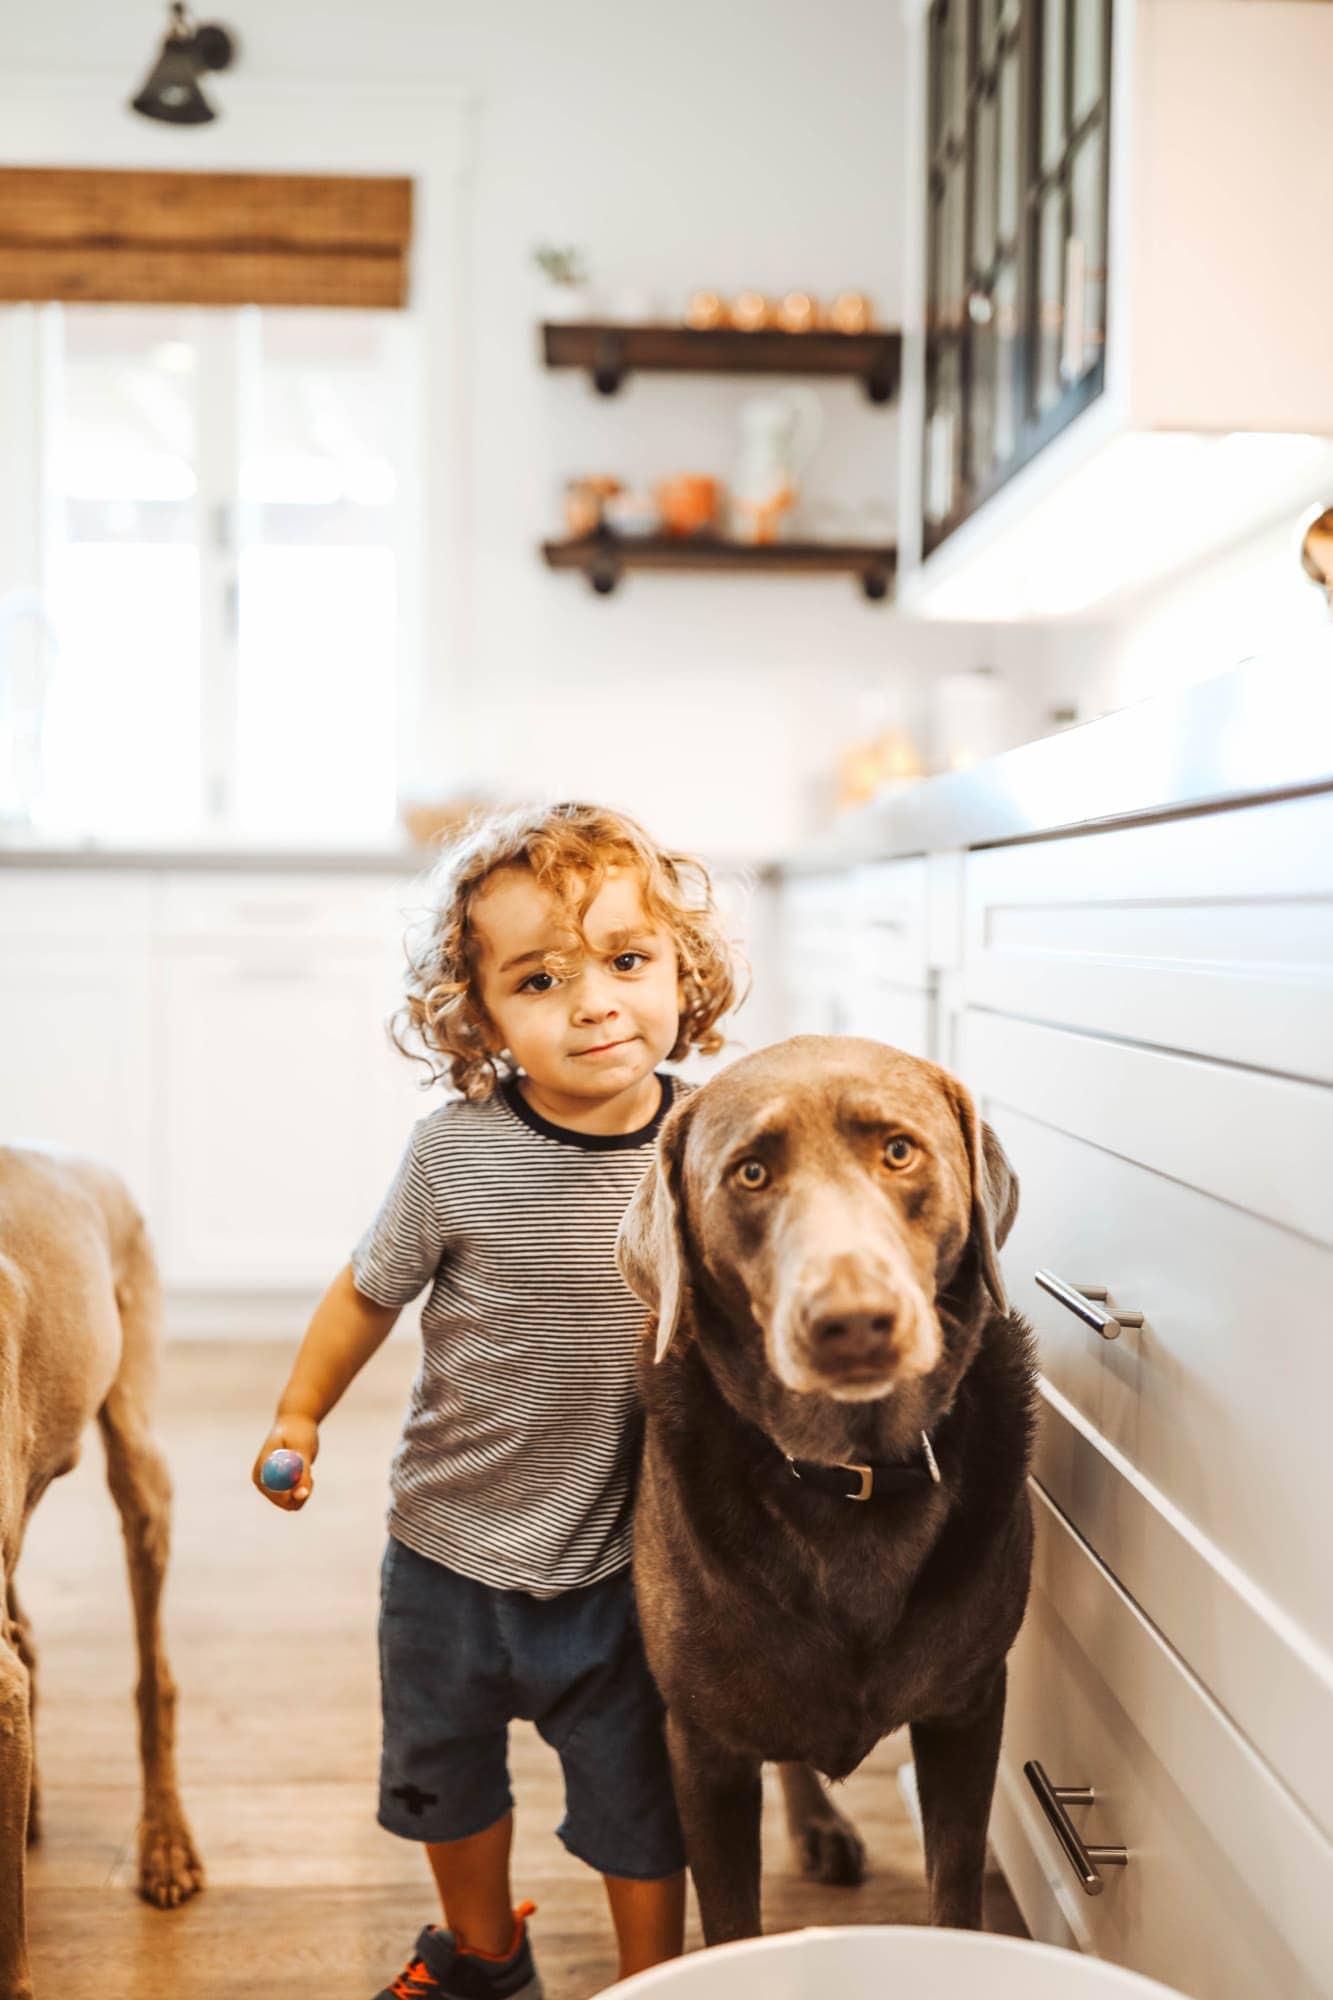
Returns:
<point x="1252" y="602"/>
<point x="754" y="144"/>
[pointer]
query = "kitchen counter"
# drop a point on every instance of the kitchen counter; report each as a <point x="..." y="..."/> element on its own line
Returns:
<point x="229" y="860"/>
<point x="1262" y="731"/>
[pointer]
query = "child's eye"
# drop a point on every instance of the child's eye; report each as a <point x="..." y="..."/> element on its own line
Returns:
<point x="619" y="960"/>
<point x="530" y="986"/>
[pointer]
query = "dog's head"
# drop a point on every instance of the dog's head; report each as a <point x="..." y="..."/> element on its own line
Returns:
<point x="825" y="1215"/>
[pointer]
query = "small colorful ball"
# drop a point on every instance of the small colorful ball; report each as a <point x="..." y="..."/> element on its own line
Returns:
<point x="281" y="1471"/>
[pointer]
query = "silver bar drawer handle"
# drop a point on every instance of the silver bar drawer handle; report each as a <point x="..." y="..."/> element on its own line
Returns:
<point x="1082" y="1859"/>
<point x="1080" y="1300"/>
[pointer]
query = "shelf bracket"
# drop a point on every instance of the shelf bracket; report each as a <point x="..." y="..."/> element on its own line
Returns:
<point x="608" y="367"/>
<point x="602" y="571"/>
<point x="881" y="383"/>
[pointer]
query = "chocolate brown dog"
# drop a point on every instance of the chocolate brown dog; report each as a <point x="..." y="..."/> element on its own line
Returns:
<point x="832" y="1535"/>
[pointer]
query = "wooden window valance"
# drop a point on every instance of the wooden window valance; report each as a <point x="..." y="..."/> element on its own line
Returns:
<point x="203" y="239"/>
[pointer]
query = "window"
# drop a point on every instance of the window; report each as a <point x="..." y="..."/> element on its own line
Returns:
<point x="221" y="571"/>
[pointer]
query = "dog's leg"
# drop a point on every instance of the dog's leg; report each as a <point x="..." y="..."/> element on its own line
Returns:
<point x="169" y="1867"/>
<point x="720" y="1797"/>
<point x="829" y="1846"/>
<point x="956" y="1760"/>
<point x="15" y="1781"/>
<point x="21" y="1634"/>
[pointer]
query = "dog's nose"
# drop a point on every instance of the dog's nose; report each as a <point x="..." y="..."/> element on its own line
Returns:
<point x="850" y="1332"/>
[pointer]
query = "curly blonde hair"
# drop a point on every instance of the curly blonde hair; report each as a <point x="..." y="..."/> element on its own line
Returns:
<point x="568" y="848"/>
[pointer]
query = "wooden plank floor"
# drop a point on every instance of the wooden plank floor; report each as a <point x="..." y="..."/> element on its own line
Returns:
<point x="271" y="1628"/>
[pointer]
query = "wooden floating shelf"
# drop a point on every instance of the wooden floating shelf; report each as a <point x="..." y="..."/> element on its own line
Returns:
<point x="611" y="352"/>
<point x="603" y="559"/>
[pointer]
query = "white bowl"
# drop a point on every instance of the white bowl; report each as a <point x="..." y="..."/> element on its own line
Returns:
<point x="880" y="1961"/>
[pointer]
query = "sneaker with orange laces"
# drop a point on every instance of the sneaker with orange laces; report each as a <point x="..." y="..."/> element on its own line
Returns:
<point x="442" y="1969"/>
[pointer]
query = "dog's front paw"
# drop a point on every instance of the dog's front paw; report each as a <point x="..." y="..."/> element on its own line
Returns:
<point x="832" y="1850"/>
<point x="170" y="1871"/>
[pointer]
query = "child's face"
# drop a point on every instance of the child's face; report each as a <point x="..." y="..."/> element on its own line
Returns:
<point x="605" y="1022"/>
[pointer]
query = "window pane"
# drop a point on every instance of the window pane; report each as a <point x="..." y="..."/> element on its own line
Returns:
<point x="1089" y="31"/>
<point x="943" y="436"/>
<point x="317" y="670"/>
<point x="983" y="183"/>
<point x="1050" y="300"/>
<point x="121" y="730"/>
<point x="1088" y="226"/>
<point x="981" y="400"/>
<point x="953" y="283"/>
<point x="1010" y="148"/>
<point x="951" y="46"/>
<point x="1052" y="81"/>
<point x="1006" y="362"/>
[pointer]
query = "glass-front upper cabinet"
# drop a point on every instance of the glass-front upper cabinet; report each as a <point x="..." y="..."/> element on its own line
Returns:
<point x="1016" y="182"/>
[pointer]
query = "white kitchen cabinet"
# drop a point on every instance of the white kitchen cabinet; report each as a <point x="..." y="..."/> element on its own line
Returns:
<point x="1212" y="934"/>
<point x="1147" y="1028"/>
<point x="76" y="1068"/>
<point x="854" y="954"/>
<point x="1208" y="411"/>
<point x="219" y="1038"/>
<point x="1227" y="1891"/>
<point x="285" y="1109"/>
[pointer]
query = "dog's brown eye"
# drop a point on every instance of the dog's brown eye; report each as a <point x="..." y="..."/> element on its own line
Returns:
<point x="752" y="1174"/>
<point x="900" y="1152"/>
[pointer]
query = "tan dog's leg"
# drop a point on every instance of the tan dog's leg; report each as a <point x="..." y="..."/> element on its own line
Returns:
<point x="15" y="1780"/>
<point x="21" y="1634"/>
<point x="169" y="1868"/>
<point x="829" y="1846"/>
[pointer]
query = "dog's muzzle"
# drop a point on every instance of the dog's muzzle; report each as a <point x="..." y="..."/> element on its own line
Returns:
<point x="856" y="1333"/>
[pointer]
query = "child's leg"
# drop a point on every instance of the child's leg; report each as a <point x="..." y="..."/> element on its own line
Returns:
<point x="472" y="1876"/>
<point x="649" y="1918"/>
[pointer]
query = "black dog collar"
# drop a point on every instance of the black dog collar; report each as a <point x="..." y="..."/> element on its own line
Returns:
<point x="870" y="1482"/>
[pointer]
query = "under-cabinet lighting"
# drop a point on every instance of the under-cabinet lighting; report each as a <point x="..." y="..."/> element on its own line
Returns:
<point x="1148" y="503"/>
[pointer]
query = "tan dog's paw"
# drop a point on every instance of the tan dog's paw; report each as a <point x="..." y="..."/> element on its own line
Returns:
<point x="170" y="1871"/>
<point x="832" y="1850"/>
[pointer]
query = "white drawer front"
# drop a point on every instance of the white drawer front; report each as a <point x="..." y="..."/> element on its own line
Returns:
<point x="854" y="954"/>
<point x="899" y="1015"/>
<point x="289" y="906"/>
<point x="1228" y="1892"/>
<point x="1211" y="934"/>
<point x="1194" y="1458"/>
<point x="1222" y="1397"/>
<point x="888" y="911"/>
<point x="1254" y="1142"/>
<point x="67" y="907"/>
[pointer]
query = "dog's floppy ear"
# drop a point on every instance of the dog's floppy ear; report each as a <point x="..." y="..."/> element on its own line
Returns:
<point x="650" y="1248"/>
<point x="994" y="1192"/>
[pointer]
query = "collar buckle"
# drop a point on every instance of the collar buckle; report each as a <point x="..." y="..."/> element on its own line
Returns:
<point x="867" y="1478"/>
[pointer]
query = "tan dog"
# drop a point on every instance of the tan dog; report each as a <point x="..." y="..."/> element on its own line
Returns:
<point x="832" y="1535"/>
<point x="80" y="1316"/>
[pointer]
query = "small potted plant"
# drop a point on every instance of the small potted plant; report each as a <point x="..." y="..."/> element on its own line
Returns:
<point x="565" y="295"/>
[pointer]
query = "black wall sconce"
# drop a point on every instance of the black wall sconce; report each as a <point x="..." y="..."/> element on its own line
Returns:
<point x="171" y="91"/>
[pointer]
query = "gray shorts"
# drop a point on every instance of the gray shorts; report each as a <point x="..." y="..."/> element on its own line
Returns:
<point x="460" y="1660"/>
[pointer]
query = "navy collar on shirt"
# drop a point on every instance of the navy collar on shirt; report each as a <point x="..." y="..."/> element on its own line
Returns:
<point x="592" y="1142"/>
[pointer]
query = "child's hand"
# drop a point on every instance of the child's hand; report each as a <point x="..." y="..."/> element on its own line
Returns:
<point x="289" y="1433"/>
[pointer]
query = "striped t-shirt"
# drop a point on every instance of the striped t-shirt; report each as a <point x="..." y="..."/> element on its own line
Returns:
<point x="518" y="1454"/>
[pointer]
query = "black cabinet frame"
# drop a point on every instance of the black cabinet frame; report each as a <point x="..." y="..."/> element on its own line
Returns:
<point x="996" y="79"/>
